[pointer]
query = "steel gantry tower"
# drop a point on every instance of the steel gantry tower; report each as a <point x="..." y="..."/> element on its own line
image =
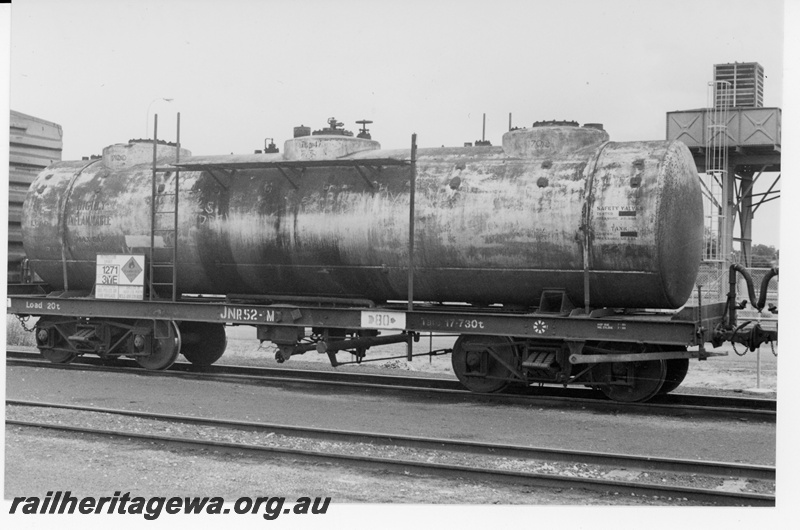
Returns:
<point x="735" y="142"/>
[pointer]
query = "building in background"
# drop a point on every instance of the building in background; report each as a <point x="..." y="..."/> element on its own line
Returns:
<point x="34" y="145"/>
<point x="735" y="142"/>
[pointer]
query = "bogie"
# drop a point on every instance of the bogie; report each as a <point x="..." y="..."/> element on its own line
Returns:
<point x="492" y="364"/>
<point x="153" y="344"/>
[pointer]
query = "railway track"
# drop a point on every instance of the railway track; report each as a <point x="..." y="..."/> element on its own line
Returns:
<point x="486" y="462"/>
<point x="569" y="398"/>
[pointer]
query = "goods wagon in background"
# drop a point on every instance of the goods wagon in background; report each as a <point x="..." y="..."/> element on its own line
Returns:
<point x="34" y="145"/>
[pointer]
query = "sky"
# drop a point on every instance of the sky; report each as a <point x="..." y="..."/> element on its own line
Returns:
<point x="244" y="70"/>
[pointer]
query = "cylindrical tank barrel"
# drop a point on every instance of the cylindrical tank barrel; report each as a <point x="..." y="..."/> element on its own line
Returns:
<point x="550" y="209"/>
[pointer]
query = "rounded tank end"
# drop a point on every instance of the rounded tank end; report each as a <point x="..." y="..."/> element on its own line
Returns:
<point x="680" y="224"/>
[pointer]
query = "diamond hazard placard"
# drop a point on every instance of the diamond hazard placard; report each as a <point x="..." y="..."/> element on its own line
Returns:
<point x="132" y="270"/>
<point x="120" y="277"/>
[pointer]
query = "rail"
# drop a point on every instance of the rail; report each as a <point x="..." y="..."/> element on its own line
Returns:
<point x="486" y="461"/>
<point x="680" y="405"/>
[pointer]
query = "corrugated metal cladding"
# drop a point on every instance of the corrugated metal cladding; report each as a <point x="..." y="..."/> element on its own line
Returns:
<point x="34" y="145"/>
<point x="745" y="85"/>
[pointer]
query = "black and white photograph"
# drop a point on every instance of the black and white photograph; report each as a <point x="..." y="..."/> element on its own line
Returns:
<point x="390" y="263"/>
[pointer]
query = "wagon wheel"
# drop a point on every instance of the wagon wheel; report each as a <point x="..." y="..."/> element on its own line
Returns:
<point x="676" y="372"/>
<point x="165" y="351"/>
<point x="202" y="343"/>
<point x="58" y="356"/>
<point x="676" y="368"/>
<point x="630" y="381"/>
<point x="480" y="371"/>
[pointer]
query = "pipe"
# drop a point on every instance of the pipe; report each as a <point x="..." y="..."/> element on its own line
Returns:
<point x="303" y="299"/>
<point x="411" y="213"/>
<point x="175" y="215"/>
<point x="153" y="209"/>
<point x="762" y="299"/>
<point x="411" y="206"/>
<point x="367" y="342"/>
<point x="732" y="297"/>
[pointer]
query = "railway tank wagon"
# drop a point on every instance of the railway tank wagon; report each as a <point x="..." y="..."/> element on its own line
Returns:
<point x="558" y="227"/>
<point x="495" y="225"/>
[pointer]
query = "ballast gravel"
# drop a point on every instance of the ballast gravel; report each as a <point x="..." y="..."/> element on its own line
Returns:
<point x="264" y="438"/>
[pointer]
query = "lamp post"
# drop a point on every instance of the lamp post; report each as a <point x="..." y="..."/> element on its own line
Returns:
<point x="147" y="122"/>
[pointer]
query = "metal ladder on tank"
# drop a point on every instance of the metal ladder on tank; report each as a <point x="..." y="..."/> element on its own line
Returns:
<point x="162" y="206"/>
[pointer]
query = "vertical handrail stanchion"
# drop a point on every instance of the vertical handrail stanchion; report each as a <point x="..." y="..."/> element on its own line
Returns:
<point x="153" y="204"/>
<point x="758" y="368"/>
<point x="412" y="198"/>
<point x="758" y="352"/>
<point x="175" y="224"/>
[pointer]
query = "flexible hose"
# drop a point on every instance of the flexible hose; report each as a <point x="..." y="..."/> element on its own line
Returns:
<point x="762" y="299"/>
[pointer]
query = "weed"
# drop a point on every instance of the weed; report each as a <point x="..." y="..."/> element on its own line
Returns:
<point x="16" y="334"/>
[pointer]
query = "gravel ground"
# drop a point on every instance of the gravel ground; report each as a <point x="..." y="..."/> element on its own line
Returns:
<point x="393" y="452"/>
<point x="89" y="464"/>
